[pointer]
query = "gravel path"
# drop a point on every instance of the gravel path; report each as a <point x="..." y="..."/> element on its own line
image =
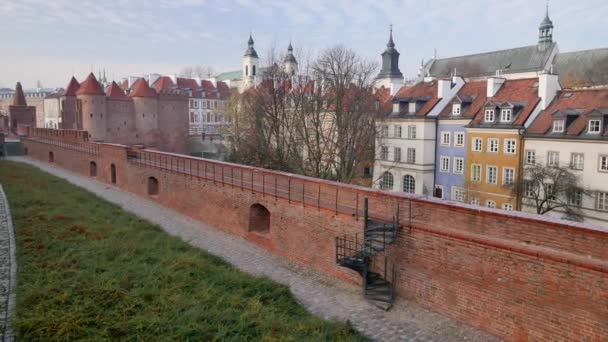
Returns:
<point x="320" y="294"/>
<point x="8" y="268"/>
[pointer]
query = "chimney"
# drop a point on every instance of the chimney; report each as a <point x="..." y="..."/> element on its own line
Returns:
<point x="494" y="84"/>
<point x="213" y="81"/>
<point x="173" y="78"/>
<point x="443" y="88"/>
<point x="548" y="86"/>
<point x="198" y="80"/>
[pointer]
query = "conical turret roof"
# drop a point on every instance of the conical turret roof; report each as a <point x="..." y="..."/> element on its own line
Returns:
<point x="72" y="87"/>
<point x="114" y="92"/>
<point x="90" y="86"/>
<point x="250" y="52"/>
<point x="19" y="98"/>
<point x="142" y="89"/>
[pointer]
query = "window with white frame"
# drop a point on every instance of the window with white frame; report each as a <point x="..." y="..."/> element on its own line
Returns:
<point x="204" y="104"/>
<point x="445" y="164"/>
<point x="384" y="153"/>
<point x="602" y="201"/>
<point x="507" y="206"/>
<point x="409" y="184"/>
<point x="493" y="145"/>
<point x="553" y="158"/>
<point x="603" y="164"/>
<point x="456" y="109"/>
<point x="475" y="201"/>
<point x="459" y="165"/>
<point x="458" y="194"/>
<point x="529" y="190"/>
<point x="510" y="146"/>
<point x="411" y="131"/>
<point x="508" y="176"/>
<point x="459" y="139"/>
<point x="490" y="204"/>
<point x="576" y="198"/>
<point x="397" y="154"/>
<point x="530" y="157"/>
<point x="445" y="138"/>
<point x="489" y="115"/>
<point x="411" y="155"/>
<point x="384" y="131"/>
<point x="492" y="175"/>
<point x="577" y="161"/>
<point x="476" y="173"/>
<point x="506" y="115"/>
<point x="397" y="131"/>
<point x="411" y="107"/>
<point x="595" y="126"/>
<point x="477" y="145"/>
<point x="548" y="190"/>
<point x="558" y="126"/>
<point x="386" y="181"/>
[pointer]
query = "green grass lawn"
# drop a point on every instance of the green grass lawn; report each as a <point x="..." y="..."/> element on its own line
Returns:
<point x="89" y="270"/>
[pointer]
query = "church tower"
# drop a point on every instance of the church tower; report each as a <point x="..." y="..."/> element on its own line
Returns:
<point x="291" y="64"/>
<point x="250" y="64"/>
<point x="545" y="32"/>
<point x="390" y="76"/>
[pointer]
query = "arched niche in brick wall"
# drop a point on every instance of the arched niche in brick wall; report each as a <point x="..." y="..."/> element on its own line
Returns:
<point x="51" y="157"/>
<point x="113" y="173"/>
<point x="93" y="169"/>
<point x="259" y="219"/>
<point x="153" y="186"/>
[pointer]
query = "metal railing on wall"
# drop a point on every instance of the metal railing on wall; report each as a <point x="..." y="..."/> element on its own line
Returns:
<point x="85" y="147"/>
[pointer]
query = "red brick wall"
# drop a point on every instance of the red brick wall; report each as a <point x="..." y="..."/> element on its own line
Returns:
<point x="515" y="275"/>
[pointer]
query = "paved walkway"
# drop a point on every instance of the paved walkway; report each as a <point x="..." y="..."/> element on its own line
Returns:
<point x="321" y="294"/>
<point x="8" y="266"/>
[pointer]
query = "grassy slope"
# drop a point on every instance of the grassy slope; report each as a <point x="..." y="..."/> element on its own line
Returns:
<point x="89" y="270"/>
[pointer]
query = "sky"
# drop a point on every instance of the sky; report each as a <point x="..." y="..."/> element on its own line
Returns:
<point x="51" y="40"/>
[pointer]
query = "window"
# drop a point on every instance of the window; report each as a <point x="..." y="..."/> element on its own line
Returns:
<point x="459" y="165"/>
<point x="492" y="175"/>
<point x="438" y="191"/>
<point x="445" y="138"/>
<point x="476" y="173"/>
<point x="477" y="145"/>
<point x="490" y="204"/>
<point x="553" y="158"/>
<point x="548" y="190"/>
<point x="386" y="181"/>
<point x="493" y="145"/>
<point x="411" y="155"/>
<point x="506" y="115"/>
<point x="459" y="139"/>
<point x="602" y="201"/>
<point x="384" y="131"/>
<point x="510" y="146"/>
<point x="558" y="126"/>
<point x="409" y="184"/>
<point x="456" y="109"/>
<point x="458" y="194"/>
<point x="576" y="198"/>
<point x="397" y="154"/>
<point x="397" y="131"/>
<point x="603" y="163"/>
<point x="489" y="115"/>
<point x="530" y="157"/>
<point x="445" y="164"/>
<point x="508" y="176"/>
<point x="594" y="126"/>
<point x="411" y="107"/>
<point x="384" y="153"/>
<point x="204" y="104"/>
<point x="411" y="131"/>
<point x="529" y="190"/>
<point x="577" y="161"/>
<point x="475" y="201"/>
<point x="507" y="207"/>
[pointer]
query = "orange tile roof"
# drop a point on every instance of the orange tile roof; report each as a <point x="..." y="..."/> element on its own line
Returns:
<point x="142" y="89"/>
<point x="420" y="90"/>
<point x="114" y="92"/>
<point x="224" y="90"/>
<point x="90" y="86"/>
<point x="163" y="83"/>
<point x="187" y="83"/>
<point x="72" y="87"/>
<point x="476" y="92"/>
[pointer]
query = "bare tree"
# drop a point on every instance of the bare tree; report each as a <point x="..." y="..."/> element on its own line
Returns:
<point x="548" y="188"/>
<point x="201" y="71"/>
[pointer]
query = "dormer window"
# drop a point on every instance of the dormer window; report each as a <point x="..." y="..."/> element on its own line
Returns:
<point x="411" y="107"/>
<point x="595" y="126"/>
<point x="506" y="115"/>
<point x="456" y="109"/>
<point x="489" y="117"/>
<point x="558" y="126"/>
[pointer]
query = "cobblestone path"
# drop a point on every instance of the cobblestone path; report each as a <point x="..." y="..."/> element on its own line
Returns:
<point x="8" y="265"/>
<point x="320" y="294"/>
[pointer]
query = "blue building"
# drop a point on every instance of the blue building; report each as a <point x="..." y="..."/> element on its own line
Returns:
<point x="451" y="149"/>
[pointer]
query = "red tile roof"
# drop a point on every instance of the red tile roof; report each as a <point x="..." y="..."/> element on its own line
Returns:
<point x="142" y="89"/>
<point x="477" y="92"/>
<point x="114" y="92"/>
<point x="207" y="86"/>
<point x="187" y="83"/>
<point x="224" y="90"/>
<point x="72" y="87"/>
<point x="384" y="96"/>
<point x="420" y="90"/>
<point x="163" y="83"/>
<point x="523" y="92"/>
<point x="583" y="101"/>
<point x="90" y="86"/>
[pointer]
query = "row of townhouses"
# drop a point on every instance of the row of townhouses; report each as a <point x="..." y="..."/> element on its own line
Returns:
<point x="470" y="125"/>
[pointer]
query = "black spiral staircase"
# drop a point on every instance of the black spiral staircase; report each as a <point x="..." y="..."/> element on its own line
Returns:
<point x="361" y="254"/>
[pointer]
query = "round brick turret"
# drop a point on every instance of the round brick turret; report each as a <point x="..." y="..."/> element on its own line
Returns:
<point x="92" y="101"/>
<point x="145" y="105"/>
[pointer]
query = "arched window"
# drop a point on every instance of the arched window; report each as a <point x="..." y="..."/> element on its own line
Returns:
<point x="113" y="173"/>
<point x="253" y="70"/>
<point x="259" y="219"/>
<point x="152" y="186"/>
<point x="409" y="184"/>
<point x="386" y="181"/>
<point x="246" y="70"/>
<point x="51" y="157"/>
<point x="93" y="169"/>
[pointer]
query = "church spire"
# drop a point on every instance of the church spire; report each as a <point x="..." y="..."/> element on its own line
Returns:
<point x="390" y="60"/>
<point x="545" y="30"/>
<point x="250" y="52"/>
<point x="390" y="43"/>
